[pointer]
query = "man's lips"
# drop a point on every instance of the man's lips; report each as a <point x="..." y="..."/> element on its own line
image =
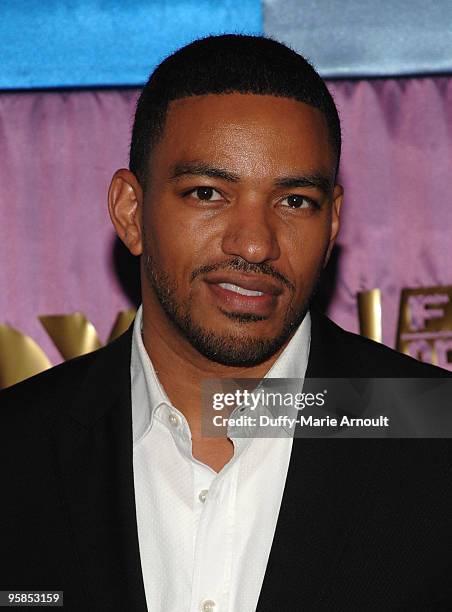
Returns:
<point x="244" y="293"/>
<point x="262" y="284"/>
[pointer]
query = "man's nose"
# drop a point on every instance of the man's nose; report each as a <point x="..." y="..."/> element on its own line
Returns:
<point x="250" y="232"/>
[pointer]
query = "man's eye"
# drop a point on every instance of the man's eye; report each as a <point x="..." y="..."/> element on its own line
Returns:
<point x="299" y="201"/>
<point x="207" y="194"/>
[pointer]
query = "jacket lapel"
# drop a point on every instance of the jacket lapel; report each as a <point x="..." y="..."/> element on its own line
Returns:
<point x="325" y="497"/>
<point x="95" y="461"/>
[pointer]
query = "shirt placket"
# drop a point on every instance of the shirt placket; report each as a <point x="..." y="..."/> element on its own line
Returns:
<point x="214" y="544"/>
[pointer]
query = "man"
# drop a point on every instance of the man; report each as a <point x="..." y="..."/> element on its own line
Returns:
<point x="111" y="492"/>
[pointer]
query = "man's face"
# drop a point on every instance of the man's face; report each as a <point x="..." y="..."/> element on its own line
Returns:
<point x="239" y="216"/>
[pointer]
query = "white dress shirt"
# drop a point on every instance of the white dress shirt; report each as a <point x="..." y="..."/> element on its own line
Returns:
<point x="204" y="537"/>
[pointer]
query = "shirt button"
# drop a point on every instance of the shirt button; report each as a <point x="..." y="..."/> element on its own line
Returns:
<point x="173" y="419"/>
<point x="202" y="495"/>
<point x="208" y="605"/>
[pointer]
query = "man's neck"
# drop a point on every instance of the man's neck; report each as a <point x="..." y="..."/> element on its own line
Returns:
<point x="181" y="370"/>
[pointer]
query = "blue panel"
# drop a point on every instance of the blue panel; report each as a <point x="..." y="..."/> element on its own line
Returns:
<point x="359" y="38"/>
<point x="84" y="43"/>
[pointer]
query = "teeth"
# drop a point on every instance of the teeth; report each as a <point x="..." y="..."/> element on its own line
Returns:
<point x="240" y="290"/>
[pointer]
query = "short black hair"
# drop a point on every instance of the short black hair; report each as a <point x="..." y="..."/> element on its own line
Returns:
<point x="229" y="63"/>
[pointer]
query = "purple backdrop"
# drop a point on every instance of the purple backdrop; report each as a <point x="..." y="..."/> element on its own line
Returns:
<point x="59" y="150"/>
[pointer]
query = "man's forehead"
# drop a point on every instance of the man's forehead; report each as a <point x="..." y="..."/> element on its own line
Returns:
<point x="247" y="133"/>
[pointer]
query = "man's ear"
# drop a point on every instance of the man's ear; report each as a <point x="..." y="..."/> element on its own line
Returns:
<point x="125" y="201"/>
<point x="338" y="195"/>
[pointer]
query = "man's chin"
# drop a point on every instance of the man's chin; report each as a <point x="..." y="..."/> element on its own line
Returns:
<point x="239" y="349"/>
<point x="234" y="351"/>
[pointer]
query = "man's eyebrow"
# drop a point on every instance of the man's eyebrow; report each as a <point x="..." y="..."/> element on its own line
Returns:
<point x="316" y="181"/>
<point x="200" y="169"/>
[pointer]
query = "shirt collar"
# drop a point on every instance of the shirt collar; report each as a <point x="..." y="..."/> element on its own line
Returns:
<point x="148" y="394"/>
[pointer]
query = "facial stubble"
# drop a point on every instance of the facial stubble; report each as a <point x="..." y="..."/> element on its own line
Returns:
<point x="239" y="349"/>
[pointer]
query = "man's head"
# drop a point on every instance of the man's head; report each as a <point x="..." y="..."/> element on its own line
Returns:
<point x="231" y="195"/>
<point x="226" y="64"/>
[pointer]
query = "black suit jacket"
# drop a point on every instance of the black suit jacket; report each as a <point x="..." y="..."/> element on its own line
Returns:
<point x="365" y="524"/>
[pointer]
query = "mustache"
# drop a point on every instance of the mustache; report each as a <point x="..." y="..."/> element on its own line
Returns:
<point x="240" y="265"/>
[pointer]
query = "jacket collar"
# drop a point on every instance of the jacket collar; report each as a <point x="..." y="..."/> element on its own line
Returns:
<point x="328" y="356"/>
<point x="106" y="381"/>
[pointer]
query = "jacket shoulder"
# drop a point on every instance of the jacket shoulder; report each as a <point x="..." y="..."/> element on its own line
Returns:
<point x="45" y="384"/>
<point x="56" y="386"/>
<point x="367" y="358"/>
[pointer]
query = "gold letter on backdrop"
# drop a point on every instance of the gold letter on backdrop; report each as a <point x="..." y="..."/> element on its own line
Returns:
<point x="369" y="310"/>
<point x="425" y="325"/>
<point x="20" y="357"/>
<point x="73" y="335"/>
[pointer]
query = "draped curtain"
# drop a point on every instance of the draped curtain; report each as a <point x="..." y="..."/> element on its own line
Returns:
<point x="58" y="151"/>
